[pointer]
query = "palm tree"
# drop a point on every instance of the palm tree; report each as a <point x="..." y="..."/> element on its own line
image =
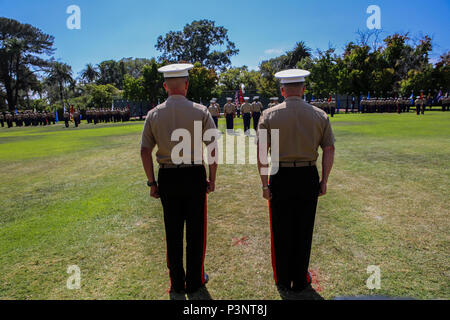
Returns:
<point x="300" y="51"/>
<point x="90" y="73"/>
<point x="60" y="74"/>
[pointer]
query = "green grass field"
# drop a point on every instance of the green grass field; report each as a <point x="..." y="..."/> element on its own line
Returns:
<point x="78" y="197"/>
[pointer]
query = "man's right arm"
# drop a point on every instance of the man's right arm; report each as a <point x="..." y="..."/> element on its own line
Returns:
<point x="147" y="163"/>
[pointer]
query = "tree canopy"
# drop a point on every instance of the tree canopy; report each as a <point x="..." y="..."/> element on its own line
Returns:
<point x="31" y="77"/>
<point x="22" y="48"/>
<point x="201" y="41"/>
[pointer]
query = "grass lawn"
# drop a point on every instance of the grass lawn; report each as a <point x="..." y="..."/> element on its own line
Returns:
<point x="78" y="197"/>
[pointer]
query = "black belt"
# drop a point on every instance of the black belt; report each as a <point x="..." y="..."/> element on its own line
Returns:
<point x="177" y="166"/>
<point x="296" y="164"/>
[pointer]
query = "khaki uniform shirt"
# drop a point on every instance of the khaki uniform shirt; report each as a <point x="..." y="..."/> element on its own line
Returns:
<point x="214" y="110"/>
<point x="176" y="112"/>
<point x="257" y="107"/>
<point x="246" y="107"/>
<point x="302" y="129"/>
<point x="229" y="108"/>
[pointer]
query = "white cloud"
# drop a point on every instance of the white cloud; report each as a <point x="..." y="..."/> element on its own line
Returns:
<point x="274" y="51"/>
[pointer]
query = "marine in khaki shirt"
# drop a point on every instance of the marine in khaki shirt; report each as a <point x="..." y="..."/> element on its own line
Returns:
<point x="294" y="184"/>
<point x="177" y="112"/>
<point x="257" y="106"/>
<point x="214" y="110"/>
<point x="246" y="108"/>
<point x="182" y="188"/>
<point x="302" y="127"/>
<point x="229" y="108"/>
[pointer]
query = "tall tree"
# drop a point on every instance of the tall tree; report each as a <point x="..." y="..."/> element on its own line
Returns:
<point x="133" y="89"/>
<point x="22" y="48"/>
<point x="60" y="75"/>
<point x="289" y="60"/>
<point x="200" y="41"/>
<point x="324" y="73"/>
<point x="153" y="82"/>
<point x="441" y="74"/>
<point x="111" y="73"/>
<point x="201" y="83"/>
<point x="90" y="73"/>
<point x="294" y="56"/>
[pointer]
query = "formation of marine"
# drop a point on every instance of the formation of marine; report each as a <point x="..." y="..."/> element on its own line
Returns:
<point x="381" y="105"/>
<point x="248" y="110"/>
<point x="107" y="115"/>
<point x="327" y="105"/>
<point x="27" y="118"/>
<point x="43" y="118"/>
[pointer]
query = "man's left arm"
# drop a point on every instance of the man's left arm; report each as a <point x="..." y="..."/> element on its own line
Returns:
<point x="147" y="163"/>
<point x="208" y="124"/>
<point x="327" y="145"/>
<point x="262" y="157"/>
<point x="147" y="145"/>
<point x="327" y="165"/>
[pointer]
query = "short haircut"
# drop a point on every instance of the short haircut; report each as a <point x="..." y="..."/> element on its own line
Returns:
<point x="176" y="78"/>
<point x="175" y="82"/>
<point x="293" y="85"/>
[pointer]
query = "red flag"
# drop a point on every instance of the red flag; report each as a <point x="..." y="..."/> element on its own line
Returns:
<point x="421" y="96"/>
<point x="242" y="96"/>
<point x="71" y="112"/>
<point x="329" y="98"/>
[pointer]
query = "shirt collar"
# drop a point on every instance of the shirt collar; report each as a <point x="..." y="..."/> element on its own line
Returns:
<point x="176" y="97"/>
<point x="294" y="98"/>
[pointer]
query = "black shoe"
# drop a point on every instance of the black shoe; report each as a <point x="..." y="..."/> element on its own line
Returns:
<point x="177" y="295"/>
<point x="201" y="294"/>
<point x="308" y="293"/>
<point x="285" y="293"/>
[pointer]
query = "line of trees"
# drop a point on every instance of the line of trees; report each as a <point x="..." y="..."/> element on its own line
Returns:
<point x="31" y="78"/>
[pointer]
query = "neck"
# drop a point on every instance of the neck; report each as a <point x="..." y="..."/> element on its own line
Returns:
<point x="177" y="92"/>
<point x="294" y="95"/>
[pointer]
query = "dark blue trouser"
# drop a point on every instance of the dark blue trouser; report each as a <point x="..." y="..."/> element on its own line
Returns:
<point x="256" y="116"/>
<point x="292" y="213"/>
<point x="183" y="197"/>
<point x="230" y="124"/>
<point x="247" y="118"/>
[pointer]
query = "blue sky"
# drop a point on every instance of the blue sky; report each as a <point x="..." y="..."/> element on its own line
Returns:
<point x="260" y="29"/>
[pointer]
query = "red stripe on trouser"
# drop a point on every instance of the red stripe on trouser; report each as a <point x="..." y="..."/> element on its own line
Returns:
<point x="272" y="247"/>
<point x="168" y="266"/>
<point x="204" y="238"/>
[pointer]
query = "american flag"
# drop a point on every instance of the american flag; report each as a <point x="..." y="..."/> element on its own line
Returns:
<point x="236" y="98"/>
